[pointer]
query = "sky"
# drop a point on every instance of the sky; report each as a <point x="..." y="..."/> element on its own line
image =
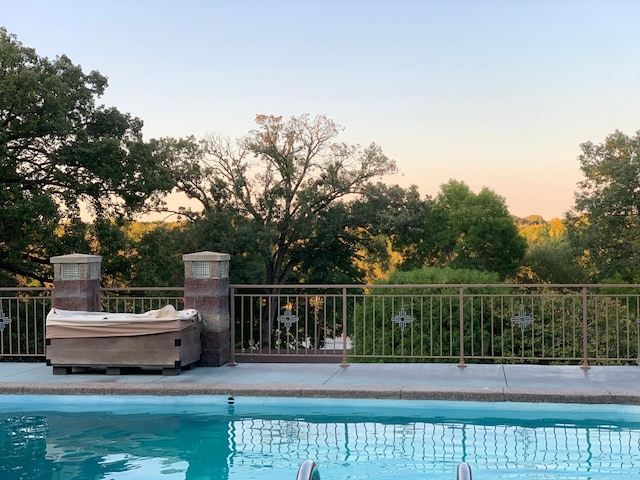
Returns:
<point x="496" y="94"/>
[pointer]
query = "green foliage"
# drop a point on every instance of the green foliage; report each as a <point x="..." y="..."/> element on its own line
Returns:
<point x="334" y="247"/>
<point x="60" y="152"/>
<point x="157" y="258"/>
<point x="604" y="227"/>
<point x="406" y="218"/>
<point x="461" y="229"/>
<point x="139" y="254"/>
<point x="478" y="232"/>
<point x="553" y="261"/>
<point x="246" y="241"/>
<point x="442" y="275"/>
<point x="550" y="257"/>
<point x="327" y="255"/>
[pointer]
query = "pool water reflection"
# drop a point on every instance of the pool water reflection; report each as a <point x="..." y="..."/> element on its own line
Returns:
<point x="73" y="437"/>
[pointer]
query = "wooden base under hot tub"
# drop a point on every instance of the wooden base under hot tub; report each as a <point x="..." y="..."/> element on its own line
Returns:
<point x="169" y="352"/>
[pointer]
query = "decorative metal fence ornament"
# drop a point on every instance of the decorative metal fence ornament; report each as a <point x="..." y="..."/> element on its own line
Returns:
<point x="288" y="319"/>
<point x="522" y="320"/>
<point x="402" y="319"/>
<point x="4" y="320"/>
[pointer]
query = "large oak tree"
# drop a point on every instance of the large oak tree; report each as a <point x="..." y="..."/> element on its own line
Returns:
<point x="284" y="181"/>
<point x="60" y="153"/>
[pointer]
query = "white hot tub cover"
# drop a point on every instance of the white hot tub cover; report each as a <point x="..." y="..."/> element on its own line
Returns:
<point x="70" y="324"/>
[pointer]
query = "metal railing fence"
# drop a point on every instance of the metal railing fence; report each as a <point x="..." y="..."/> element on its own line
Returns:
<point x="22" y="323"/>
<point x="285" y="323"/>
<point x="543" y="324"/>
<point x="499" y="323"/>
<point x="23" y="313"/>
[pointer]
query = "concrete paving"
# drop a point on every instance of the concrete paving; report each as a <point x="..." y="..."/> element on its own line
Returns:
<point x="528" y="383"/>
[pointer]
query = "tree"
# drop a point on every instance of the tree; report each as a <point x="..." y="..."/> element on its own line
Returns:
<point x="552" y="261"/>
<point x="550" y="257"/>
<point x="461" y="229"/>
<point x="329" y="253"/>
<point x="385" y="216"/>
<point x="157" y="258"/>
<point x="60" y="152"/>
<point x="408" y="217"/>
<point x="604" y="225"/>
<point x="240" y="237"/>
<point x="479" y="232"/>
<point x="284" y="179"/>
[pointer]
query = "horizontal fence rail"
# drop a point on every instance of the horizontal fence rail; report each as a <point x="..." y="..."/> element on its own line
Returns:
<point x="542" y="324"/>
<point x="23" y="312"/>
<point x="141" y="299"/>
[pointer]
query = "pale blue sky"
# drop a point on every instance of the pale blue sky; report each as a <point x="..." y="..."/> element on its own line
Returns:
<point x="492" y="93"/>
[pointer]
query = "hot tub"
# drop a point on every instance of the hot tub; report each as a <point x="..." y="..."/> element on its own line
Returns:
<point x="166" y="339"/>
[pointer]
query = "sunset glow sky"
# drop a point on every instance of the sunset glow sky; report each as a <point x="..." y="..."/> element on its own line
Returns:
<point x="492" y="93"/>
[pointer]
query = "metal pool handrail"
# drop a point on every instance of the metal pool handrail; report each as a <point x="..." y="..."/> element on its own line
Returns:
<point x="308" y="471"/>
<point x="464" y="471"/>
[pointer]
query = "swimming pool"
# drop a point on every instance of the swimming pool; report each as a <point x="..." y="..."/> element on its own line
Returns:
<point x="204" y="437"/>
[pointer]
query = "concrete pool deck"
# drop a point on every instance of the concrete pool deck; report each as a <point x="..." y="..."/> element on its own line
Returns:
<point x="496" y="383"/>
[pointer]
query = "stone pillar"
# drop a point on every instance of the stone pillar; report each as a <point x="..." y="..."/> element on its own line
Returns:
<point x="206" y="288"/>
<point x="76" y="278"/>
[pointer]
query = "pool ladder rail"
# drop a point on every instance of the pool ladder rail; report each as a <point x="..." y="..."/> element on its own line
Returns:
<point x="464" y="471"/>
<point x="309" y="471"/>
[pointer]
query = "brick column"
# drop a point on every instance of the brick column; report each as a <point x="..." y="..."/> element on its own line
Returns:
<point x="76" y="278"/>
<point x="206" y="288"/>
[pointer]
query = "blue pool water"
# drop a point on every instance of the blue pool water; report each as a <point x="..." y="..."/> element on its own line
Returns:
<point x="204" y="437"/>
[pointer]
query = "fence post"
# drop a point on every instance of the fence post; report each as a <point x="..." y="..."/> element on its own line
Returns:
<point x="76" y="278"/>
<point x="344" y="328"/>
<point x="232" y="326"/>
<point x="461" y="364"/>
<point x="206" y="288"/>
<point x="585" y="339"/>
